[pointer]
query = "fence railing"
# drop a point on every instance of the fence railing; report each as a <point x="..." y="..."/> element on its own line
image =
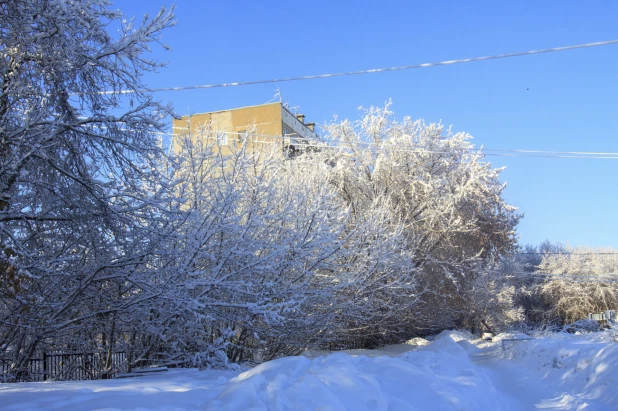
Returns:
<point x="64" y="366"/>
<point x="609" y="315"/>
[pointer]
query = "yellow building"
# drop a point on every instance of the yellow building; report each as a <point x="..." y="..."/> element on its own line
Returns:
<point x="253" y="125"/>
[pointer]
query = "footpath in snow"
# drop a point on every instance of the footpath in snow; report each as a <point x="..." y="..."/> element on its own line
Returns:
<point x="453" y="372"/>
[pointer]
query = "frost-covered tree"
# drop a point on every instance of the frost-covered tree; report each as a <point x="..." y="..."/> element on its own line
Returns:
<point x="205" y="258"/>
<point x="517" y="269"/>
<point x="492" y="301"/>
<point x="79" y="188"/>
<point x="272" y="262"/>
<point x="583" y="280"/>
<point x="447" y="197"/>
<point x="556" y="284"/>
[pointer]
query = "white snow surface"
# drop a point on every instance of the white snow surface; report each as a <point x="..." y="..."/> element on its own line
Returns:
<point x="453" y="372"/>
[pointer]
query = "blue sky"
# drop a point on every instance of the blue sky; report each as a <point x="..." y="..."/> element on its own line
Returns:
<point x="560" y="101"/>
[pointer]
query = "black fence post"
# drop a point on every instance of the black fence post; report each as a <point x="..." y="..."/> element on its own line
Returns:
<point x="44" y="366"/>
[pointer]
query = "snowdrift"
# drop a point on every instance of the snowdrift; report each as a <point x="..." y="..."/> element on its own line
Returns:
<point x="581" y="370"/>
<point x="438" y="376"/>
<point x="452" y="372"/>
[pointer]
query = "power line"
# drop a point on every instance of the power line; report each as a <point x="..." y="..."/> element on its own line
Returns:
<point x="543" y="152"/>
<point x="385" y="146"/>
<point x="567" y="253"/>
<point x="357" y="72"/>
<point x="391" y="147"/>
<point x="605" y="277"/>
<point x="576" y="278"/>
<point x="592" y="276"/>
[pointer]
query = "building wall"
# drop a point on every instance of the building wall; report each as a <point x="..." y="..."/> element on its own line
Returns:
<point x="267" y="124"/>
<point x="264" y="120"/>
<point x="296" y="126"/>
<point x="219" y="132"/>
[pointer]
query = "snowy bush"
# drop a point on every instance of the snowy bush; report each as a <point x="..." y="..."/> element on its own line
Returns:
<point x="582" y="326"/>
<point x="79" y="192"/>
<point x="387" y="231"/>
<point x="581" y="281"/>
<point x="447" y="200"/>
<point x="557" y="285"/>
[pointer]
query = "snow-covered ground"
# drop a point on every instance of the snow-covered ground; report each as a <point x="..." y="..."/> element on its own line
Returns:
<point x="453" y="372"/>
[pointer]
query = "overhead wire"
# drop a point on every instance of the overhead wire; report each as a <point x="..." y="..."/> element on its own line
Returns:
<point x="573" y="277"/>
<point x="384" y="146"/>
<point x="391" y="147"/>
<point x="604" y="277"/>
<point x="567" y="253"/>
<point x="562" y="275"/>
<point x="358" y="72"/>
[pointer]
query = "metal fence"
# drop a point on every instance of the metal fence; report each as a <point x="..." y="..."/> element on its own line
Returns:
<point x="609" y="315"/>
<point x="64" y="366"/>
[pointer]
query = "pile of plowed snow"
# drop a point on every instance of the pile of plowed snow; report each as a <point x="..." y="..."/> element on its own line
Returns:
<point x="566" y="371"/>
<point x="436" y="376"/>
<point x="452" y="372"/>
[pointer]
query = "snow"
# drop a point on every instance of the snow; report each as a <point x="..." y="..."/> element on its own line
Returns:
<point x="510" y="336"/>
<point x="568" y="371"/>
<point x="453" y="372"/>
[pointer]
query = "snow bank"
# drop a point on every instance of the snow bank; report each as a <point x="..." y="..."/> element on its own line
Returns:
<point x="182" y="389"/>
<point x="456" y="335"/>
<point x="453" y="372"/>
<point x="583" y="368"/>
<point x="439" y="376"/>
<point x="418" y="341"/>
<point x="510" y="336"/>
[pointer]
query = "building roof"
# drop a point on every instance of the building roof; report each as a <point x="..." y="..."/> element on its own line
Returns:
<point x="235" y="108"/>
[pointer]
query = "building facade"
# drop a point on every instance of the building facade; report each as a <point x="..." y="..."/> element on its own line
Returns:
<point x="252" y="126"/>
